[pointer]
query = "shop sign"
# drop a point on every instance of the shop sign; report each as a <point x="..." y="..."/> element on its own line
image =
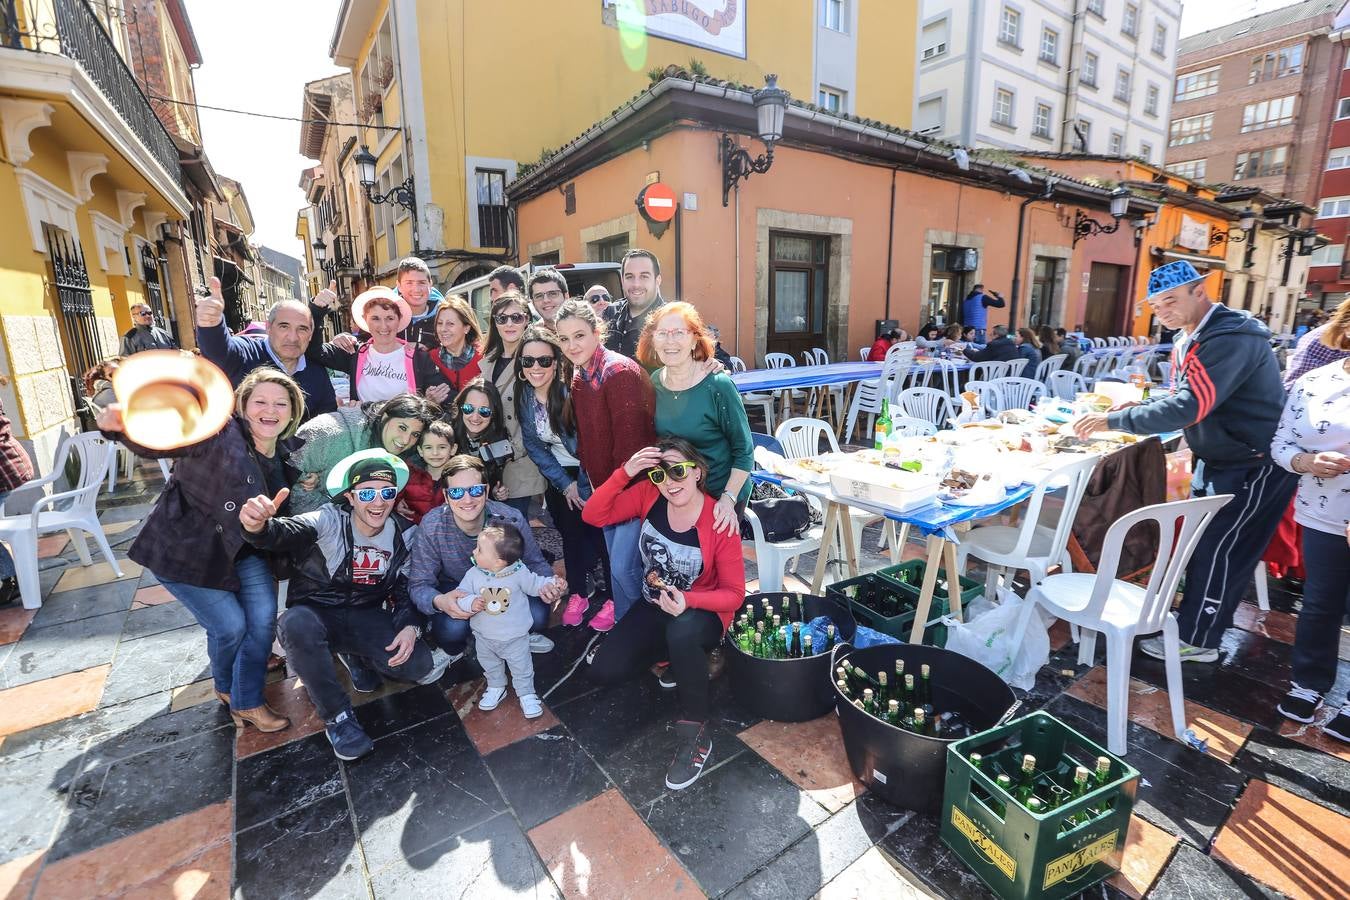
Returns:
<point x="1194" y="234"/>
<point x="717" y="25"/>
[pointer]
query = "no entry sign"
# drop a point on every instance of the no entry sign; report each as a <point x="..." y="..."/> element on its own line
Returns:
<point x="657" y="202"/>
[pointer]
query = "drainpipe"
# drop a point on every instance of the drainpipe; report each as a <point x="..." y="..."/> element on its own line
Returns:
<point x="736" y="241"/>
<point x="890" y="246"/>
<point x="1017" y="257"/>
<point x="679" y="263"/>
<point x="1067" y="129"/>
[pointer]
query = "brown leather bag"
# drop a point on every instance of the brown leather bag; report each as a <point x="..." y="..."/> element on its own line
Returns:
<point x="1134" y="476"/>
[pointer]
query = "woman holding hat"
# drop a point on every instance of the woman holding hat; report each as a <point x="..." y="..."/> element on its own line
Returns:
<point x="396" y="425"/>
<point x="506" y="327"/>
<point x="229" y="447"/>
<point x="386" y="365"/>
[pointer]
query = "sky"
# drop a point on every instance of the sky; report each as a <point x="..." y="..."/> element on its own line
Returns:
<point x="258" y="54"/>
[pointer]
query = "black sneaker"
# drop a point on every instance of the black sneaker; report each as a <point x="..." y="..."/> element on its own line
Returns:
<point x="9" y="591"/>
<point x="364" y="678"/>
<point x="667" y="679"/>
<point x="692" y="751"/>
<point x="1339" y="726"/>
<point x="1300" y="704"/>
<point x="349" y="740"/>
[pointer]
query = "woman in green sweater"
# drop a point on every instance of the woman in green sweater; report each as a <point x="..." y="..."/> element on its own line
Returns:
<point x="704" y="409"/>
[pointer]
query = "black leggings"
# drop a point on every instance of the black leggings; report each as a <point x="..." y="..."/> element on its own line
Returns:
<point x="583" y="545"/>
<point x="646" y="635"/>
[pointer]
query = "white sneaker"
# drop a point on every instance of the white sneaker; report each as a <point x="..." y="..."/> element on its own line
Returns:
<point x="491" y="699"/>
<point x="530" y="706"/>
<point x="540" y="643"/>
<point x="440" y="661"/>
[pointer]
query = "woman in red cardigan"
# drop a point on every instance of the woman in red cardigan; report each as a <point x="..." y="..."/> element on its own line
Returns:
<point x="693" y="581"/>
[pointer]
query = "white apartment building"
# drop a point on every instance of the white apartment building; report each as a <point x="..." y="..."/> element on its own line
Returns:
<point x="1073" y="76"/>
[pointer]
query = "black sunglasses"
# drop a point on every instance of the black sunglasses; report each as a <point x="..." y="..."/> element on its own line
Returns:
<point x="543" y="362"/>
<point x="468" y="408"/>
<point x="600" y="298"/>
<point x="512" y="318"/>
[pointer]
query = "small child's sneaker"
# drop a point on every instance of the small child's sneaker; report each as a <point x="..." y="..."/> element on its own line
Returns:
<point x="576" y="610"/>
<point x="531" y="707"/>
<point x="491" y="699"/>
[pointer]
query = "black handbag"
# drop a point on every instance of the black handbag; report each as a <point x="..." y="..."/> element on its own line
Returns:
<point x="782" y="516"/>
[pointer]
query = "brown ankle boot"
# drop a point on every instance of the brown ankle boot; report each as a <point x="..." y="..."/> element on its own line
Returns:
<point x="223" y="698"/>
<point x="261" y="718"/>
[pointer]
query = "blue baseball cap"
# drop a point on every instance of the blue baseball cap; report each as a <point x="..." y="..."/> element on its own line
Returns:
<point x="1172" y="275"/>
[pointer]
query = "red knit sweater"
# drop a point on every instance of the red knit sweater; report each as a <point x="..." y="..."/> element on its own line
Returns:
<point x="720" y="588"/>
<point x="420" y="494"/>
<point x="615" y="408"/>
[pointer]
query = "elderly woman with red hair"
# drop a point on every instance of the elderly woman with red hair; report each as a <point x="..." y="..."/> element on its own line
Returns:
<point x="703" y="409"/>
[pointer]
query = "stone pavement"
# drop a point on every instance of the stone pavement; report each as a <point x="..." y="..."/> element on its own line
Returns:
<point x="121" y="776"/>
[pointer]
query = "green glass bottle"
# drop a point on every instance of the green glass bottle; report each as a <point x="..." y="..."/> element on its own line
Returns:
<point x="899" y="673"/>
<point x="1103" y="773"/>
<point x="869" y="702"/>
<point x="1035" y="805"/>
<point x="796" y="640"/>
<point x="883" y="689"/>
<point x="893" y="712"/>
<point x="785" y="609"/>
<point x="807" y="650"/>
<point x="1026" y="784"/>
<point x="1004" y="782"/>
<point x="829" y="639"/>
<point x="1082" y="785"/>
<point x="758" y="649"/>
<point x="920" y="721"/>
<point x="977" y="761"/>
<point x="743" y="640"/>
<point x="908" y="697"/>
<point x="925" y="697"/>
<point x="883" y="426"/>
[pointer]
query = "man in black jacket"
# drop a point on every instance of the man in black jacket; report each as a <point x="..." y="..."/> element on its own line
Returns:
<point x="1000" y="349"/>
<point x="349" y="564"/>
<point x="144" y="333"/>
<point x="1228" y="400"/>
<point x="641" y="273"/>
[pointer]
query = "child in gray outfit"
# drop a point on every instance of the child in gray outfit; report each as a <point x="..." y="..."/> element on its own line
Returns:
<point x="497" y="588"/>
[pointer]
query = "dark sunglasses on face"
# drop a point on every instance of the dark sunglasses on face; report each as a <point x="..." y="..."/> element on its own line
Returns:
<point x="511" y="318"/>
<point x="600" y="298"/>
<point x="678" y="471"/>
<point x="457" y="493"/>
<point x="365" y="495"/>
<point x="468" y="410"/>
<point x="543" y="362"/>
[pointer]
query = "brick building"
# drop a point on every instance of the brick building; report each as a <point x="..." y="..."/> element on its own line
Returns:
<point x="1329" y="277"/>
<point x="1252" y="101"/>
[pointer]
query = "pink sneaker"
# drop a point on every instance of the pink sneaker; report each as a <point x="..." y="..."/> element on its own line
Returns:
<point x="604" y="619"/>
<point x="576" y="609"/>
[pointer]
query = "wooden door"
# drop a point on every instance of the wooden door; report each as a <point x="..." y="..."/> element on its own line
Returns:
<point x="798" y="293"/>
<point x="1104" y="314"/>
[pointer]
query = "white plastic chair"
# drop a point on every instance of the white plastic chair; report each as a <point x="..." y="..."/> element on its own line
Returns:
<point x="991" y="398"/>
<point x="779" y="360"/>
<point x="818" y="357"/>
<point x="1053" y="364"/>
<point x="772" y="557"/>
<point x="928" y="404"/>
<point x="1099" y="342"/>
<point x="906" y="426"/>
<point x="127" y="460"/>
<point x="1019" y="393"/>
<point x="1014" y="368"/>
<point x="940" y="373"/>
<point x="869" y="394"/>
<point x="863" y="353"/>
<point x="1165" y="369"/>
<point x="1067" y="385"/>
<point x="985" y="371"/>
<point x="1031" y="545"/>
<point x="1123" y="611"/>
<point x="764" y="402"/>
<point x="77" y="513"/>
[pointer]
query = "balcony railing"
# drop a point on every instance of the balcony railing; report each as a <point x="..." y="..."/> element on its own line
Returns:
<point x="494" y="226"/>
<point x="70" y="28"/>
<point x="344" y="251"/>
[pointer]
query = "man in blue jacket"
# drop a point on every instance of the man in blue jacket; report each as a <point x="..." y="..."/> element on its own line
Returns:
<point x="289" y="330"/>
<point x="1228" y="399"/>
<point x="974" y="309"/>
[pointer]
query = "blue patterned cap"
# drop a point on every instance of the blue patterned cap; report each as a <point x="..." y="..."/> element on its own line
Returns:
<point x="1172" y="275"/>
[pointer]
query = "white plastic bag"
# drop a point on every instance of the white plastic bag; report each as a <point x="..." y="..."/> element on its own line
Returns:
<point x="987" y="637"/>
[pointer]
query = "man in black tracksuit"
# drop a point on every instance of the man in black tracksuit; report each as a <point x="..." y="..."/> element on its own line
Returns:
<point x="1228" y="400"/>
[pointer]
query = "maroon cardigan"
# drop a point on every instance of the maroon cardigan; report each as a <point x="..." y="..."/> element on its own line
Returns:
<point x="615" y="407"/>
<point x="15" y="466"/>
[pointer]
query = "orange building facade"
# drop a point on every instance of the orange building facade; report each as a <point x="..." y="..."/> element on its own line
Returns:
<point x="853" y="224"/>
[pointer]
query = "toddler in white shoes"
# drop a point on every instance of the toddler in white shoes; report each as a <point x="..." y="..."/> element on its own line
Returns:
<point x="496" y="590"/>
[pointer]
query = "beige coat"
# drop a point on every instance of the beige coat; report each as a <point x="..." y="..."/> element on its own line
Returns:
<point x="521" y="476"/>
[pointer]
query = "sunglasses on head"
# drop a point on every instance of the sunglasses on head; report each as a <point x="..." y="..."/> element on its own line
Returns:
<point x="468" y="410"/>
<point x="678" y="471"/>
<point x="365" y="495"/>
<point x="511" y="318"/>
<point x="543" y="362"/>
<point x="457" y="493"/>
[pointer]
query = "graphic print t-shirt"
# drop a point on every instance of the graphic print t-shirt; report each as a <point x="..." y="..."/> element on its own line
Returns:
<point x="371" y="556"/>
<point x="670" y="559"/>
<point x="384" y="375"/>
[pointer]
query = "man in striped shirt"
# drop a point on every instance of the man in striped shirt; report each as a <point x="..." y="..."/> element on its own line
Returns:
<point x="1228" y="400"/>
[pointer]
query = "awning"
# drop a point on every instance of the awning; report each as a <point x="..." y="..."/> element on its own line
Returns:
<point x="1196" y="259"/>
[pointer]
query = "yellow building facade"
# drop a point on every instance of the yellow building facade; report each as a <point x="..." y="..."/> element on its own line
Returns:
<point x="458" y="96"/>
<point x="89" y="176"/>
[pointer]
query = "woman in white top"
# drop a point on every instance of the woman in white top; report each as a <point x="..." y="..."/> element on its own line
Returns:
<point x="384" y="366"/>
<point x="549" y="430"/>
<point x="1313" y="440"/>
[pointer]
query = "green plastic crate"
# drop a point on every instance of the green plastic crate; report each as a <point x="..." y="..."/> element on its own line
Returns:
<point x="1023" y="855"/>
<point x="914" y="570"/>
<point x="934" y="634"/>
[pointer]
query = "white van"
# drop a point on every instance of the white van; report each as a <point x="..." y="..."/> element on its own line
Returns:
<point x="580" y="278"/>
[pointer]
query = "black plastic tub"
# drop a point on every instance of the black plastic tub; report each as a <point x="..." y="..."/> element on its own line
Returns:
<point x="788" y="690"/>
<point x="904" y="768"/>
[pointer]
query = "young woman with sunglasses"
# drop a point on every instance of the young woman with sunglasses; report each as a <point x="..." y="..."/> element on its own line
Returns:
<point x="480" y="422"/>
<point x="506" y="326"/>
<point x="614" y="405"/>
<point x="396" y="425"/>
<point x="443" y="552"/>
<point x="694" y="581"/>
<point x="703" y="408"/>
<point x="544" y="408"/>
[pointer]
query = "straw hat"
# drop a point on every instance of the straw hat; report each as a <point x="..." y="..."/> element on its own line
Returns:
<point x="380" y="293"/>
<point x="171" y="399"/>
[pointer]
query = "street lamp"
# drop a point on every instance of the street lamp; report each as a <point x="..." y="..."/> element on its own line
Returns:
<point x="402" y="194"/>
<point x="1086" y="226"/>
<point x="737" y="164"/>
<point x="1246" y="228"/>
<point x="320" y="251"/>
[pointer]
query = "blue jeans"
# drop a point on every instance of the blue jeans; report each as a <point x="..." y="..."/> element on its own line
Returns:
<point x="625" y="565"/>
<point x="451" y="634"/>
<point x="7" y="569"/>
<point x="239" y="628"/>
<point x="1326" y="603"/>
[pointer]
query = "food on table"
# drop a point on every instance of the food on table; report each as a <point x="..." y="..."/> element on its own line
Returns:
<point x="1096" y="402"/>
